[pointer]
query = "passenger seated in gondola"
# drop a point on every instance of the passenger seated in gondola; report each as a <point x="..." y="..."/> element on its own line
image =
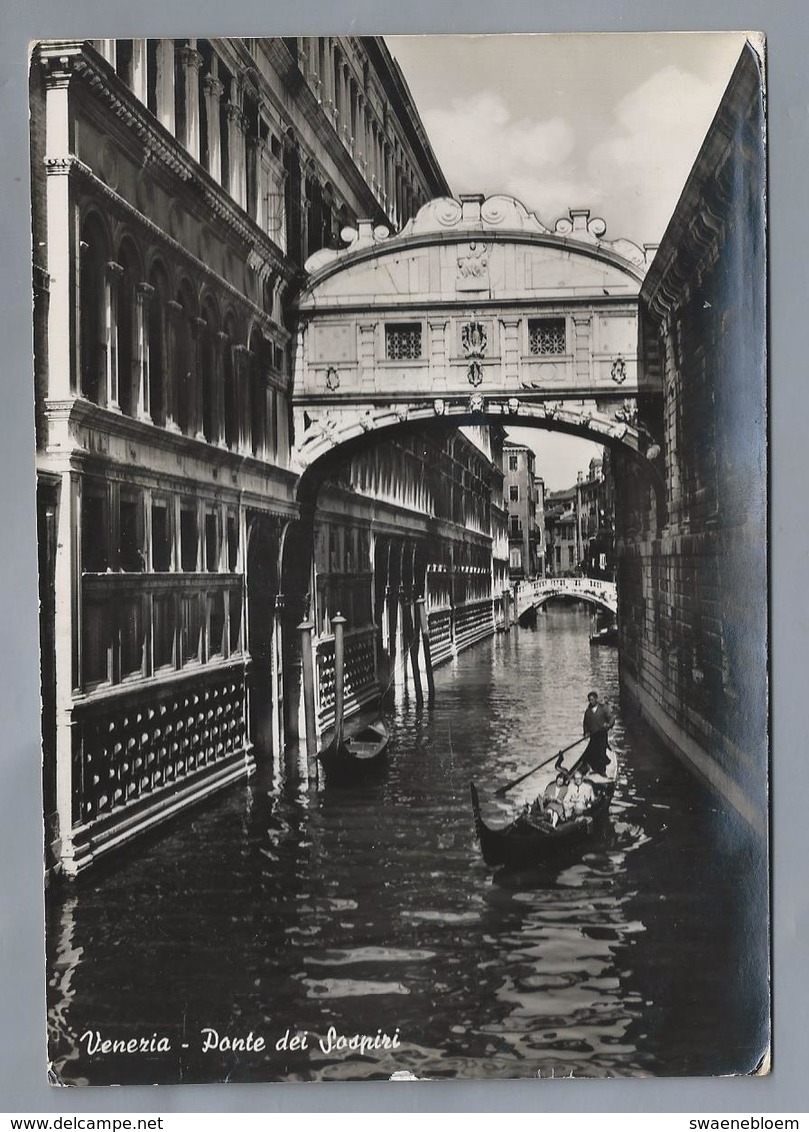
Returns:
<point x="579" y="797"/>
<point x="553" y="799"/>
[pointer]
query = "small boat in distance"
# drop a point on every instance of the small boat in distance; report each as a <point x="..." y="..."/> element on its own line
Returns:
<point x="530" y="840"/>
<point x="603" y="629"/>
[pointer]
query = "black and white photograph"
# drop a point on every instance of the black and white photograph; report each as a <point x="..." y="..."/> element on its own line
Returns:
<point x="401" y="506"/>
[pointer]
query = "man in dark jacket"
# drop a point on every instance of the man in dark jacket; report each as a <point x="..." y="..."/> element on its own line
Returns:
<point x="598" y="719"/>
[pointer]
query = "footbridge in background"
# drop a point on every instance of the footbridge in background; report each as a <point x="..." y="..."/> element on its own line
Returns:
<point x="594" y="591"/>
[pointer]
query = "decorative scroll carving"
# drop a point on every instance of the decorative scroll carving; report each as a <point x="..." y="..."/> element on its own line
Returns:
<point x="332" y="379"/>
<point x="475" y="374"/>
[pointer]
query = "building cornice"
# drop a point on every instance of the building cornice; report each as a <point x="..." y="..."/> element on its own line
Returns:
<point x="696" y="229"/>
<point x="160" y="147"/>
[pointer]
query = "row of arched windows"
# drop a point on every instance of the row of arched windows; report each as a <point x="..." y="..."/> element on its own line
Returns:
<point x="152" y="350"/>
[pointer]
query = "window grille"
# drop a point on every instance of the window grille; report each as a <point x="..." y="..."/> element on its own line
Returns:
<point x="547" y="336"/>
<point x="403" y="340"/>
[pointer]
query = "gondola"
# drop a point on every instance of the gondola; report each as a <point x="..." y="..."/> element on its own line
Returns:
<point x="530" y="840"/>
<point x="347" y="759"/>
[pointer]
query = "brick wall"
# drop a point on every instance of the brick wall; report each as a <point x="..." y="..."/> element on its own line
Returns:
<point x="692" y="571"/>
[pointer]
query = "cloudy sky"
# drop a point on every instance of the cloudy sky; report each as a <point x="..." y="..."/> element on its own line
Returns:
<point x="606" y="122"/>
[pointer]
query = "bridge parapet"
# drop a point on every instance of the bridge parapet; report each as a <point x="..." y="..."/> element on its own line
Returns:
<point x="595" y="591"/>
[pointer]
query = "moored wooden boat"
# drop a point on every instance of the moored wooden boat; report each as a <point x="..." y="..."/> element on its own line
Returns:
<point x="349" y="758"/>
<point x="530" y="840"/>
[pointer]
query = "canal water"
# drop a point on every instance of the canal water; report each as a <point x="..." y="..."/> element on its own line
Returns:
<point x="280" y="913"/>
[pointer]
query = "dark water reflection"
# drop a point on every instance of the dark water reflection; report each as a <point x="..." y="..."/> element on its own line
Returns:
<point x="370" y="909"/>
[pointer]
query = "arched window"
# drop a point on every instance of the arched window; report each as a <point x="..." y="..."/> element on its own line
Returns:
<point x="92" y="307"/>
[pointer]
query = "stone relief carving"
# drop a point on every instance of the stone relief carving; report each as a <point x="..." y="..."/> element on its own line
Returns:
<point x="474" y="339"/>
<point x="475" y="374"/>
<point x="628" y="412"/>
<point x="618" y="371"/>
<point x="473" y="261"/>
<point x="332" y="379"/>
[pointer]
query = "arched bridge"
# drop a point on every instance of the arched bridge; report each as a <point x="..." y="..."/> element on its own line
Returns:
<point x="592" y="590"/>
<point x="474" y="310"/>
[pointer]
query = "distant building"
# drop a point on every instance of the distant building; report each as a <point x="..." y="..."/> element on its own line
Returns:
<point x="525" y="495"/>
<point x="580" y="525"/>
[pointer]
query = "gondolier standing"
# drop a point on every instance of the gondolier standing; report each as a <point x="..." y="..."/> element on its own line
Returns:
<point x="598" y="719"/>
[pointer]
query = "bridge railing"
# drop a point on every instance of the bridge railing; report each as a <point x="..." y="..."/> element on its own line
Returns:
<point x="590" y="589"/>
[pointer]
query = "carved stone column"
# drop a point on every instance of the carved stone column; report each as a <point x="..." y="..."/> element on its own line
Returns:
<point x="174" y="312"/>
<point x="236" y="148"/>
<point x="63" y="364"/>
<point x="511" y="350"/>
<point x="191" y="62"/>
<point x="213" y="96"/>
<point x="143" y="298"/>
<point x="198" y="328"/>
<point x="112" y="283"/>
<point x="241" y="358"/>
<point x="165" y="83"/>
<point x="582" y="348"/>
<point x="256" y="149"/>
<point x="367" y="359"/>
<point x="139" y="54"/>
<point x="221" y="343"/>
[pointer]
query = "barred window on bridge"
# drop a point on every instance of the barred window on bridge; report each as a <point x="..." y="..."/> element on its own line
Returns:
<point x="547" y="336"/>
<point x="402" y="340"/>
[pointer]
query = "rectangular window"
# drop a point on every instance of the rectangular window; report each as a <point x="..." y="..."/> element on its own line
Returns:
<point x="132" y="637"/>
<point x="161" y="537"/>
<point x="516" y="558"/>
<point x="216" y="623"/>
<point x="163" y="630"/>
<point x="130" y="540"/>
<point x="546" y="336"/>
<point x="191" y="628"/>
<point x="235" y="615"/>
<point x="513" y="463"/>
<point x="188" y="539"/>
<point x="233" y="543"/>
<point x="402" y="340"/>
<point x="211" y="542"/>
<point x="94" y="534"/>
<point x="514" y="493"/>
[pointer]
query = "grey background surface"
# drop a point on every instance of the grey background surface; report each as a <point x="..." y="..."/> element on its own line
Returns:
<point x="23" y="1085"/>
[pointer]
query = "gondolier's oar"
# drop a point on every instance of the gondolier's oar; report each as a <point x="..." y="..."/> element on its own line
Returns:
<point x="510" y="785"/>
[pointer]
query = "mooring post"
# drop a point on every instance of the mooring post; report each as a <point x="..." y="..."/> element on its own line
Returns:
<point x="338" y="624"/>
<point x="506" y="611"/>
<point x="424" y="625"/>
<point x="412" y="636"/>
<point x="305" y="629"/>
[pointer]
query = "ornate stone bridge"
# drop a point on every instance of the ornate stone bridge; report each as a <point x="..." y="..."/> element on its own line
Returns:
<point x="592" y="590"/>
<point x="475" y="310"/>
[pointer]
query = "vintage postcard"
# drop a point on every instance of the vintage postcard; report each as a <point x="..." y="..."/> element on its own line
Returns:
<point x="401" y="502"/>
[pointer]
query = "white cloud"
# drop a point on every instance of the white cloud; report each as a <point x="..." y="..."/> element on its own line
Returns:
<point x="645" y="160"/>
<point x="478" y="142"/>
